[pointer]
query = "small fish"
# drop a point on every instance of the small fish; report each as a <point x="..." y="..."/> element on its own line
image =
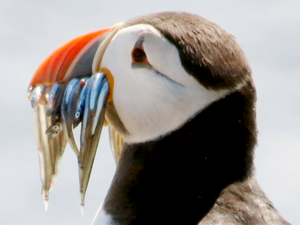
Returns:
<point x="80" y="102"/>
<point x="37" y="94"/>
<point x="51" y="145"/>
<point x="92" y="122"/>
<point x="68" y="108"/>
<point x="54" y="130"/>
<point x="100" y="103"/>
<point x="54" y="98"/>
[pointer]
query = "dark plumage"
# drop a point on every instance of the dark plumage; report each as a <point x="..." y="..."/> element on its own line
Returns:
<point x="207" y="51"/>
<point x="203" y="171"/>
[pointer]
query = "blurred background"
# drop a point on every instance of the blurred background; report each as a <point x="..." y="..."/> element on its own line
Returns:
<point x="269" y="33"/>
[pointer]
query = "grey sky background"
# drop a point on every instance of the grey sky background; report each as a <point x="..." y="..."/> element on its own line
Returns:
<point x="269" y="33"/>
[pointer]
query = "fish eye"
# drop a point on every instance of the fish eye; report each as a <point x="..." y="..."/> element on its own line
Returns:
<point x="77" y="114"/>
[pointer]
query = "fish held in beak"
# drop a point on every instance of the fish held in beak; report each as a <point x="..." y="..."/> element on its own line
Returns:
<point x="65" y="91"/>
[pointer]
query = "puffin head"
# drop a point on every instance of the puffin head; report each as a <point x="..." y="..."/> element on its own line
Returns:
<point x="166" y="69"/>
<point x="180" y="91"/>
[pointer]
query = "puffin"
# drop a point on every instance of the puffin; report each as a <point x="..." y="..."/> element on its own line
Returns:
<point x="177" y="94"/>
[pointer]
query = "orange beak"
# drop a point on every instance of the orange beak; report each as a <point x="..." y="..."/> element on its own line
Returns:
<point x="70" y="88"/>
<point x="73" y="59"/>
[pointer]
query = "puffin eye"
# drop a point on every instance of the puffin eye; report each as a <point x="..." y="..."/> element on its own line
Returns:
<point x="139" y="56"/>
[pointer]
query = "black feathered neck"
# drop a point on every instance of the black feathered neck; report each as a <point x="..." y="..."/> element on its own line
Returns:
<point x="177" y="178"/>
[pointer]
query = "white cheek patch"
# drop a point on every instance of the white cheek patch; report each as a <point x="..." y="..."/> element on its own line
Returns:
<point x="165" y="58"/>
<point x="148" y="103"/>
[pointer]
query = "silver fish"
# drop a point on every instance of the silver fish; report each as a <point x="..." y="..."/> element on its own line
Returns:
<point x="37" y="95"/>
<point x="80" y="103"/>
<point x="93" y="119"/>
<point x="54" y="98"/>
<point x="50" y="150"/>
<point x="68" y="108"/>
<point x="54" y="130"/>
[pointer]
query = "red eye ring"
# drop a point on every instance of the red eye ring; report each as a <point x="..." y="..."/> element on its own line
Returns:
<point x="139" y="56"/>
